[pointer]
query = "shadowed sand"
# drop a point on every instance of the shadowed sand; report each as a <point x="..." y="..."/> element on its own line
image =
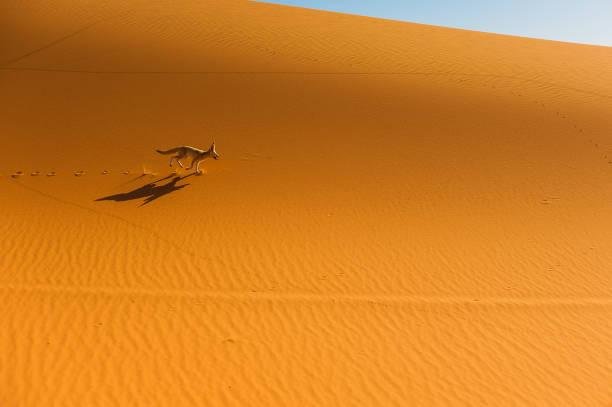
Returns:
<point x="150" y="191"/>
<point x="402" y="214"/>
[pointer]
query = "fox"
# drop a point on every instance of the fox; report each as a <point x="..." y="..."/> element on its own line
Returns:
<point x="196" y="155"/>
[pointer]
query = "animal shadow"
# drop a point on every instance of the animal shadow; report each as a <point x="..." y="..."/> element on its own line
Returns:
<point x="151" y="191"/>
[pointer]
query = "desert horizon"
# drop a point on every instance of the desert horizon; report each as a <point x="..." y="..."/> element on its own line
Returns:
<point x="400" y="214"/>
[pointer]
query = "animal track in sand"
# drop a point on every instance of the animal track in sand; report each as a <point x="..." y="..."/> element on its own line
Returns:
<point x="80" y="173"/>
<point x="578" y="129"/>
<point x="549" y="200"/>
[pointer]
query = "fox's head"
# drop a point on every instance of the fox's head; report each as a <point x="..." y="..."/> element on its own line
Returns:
<point x="213" y="152"/>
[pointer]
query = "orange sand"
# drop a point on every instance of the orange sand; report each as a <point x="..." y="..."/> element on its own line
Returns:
<point x="402" y="215"/>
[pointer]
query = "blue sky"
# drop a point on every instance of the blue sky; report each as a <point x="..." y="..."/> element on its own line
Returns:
<point x="584" y="21"/>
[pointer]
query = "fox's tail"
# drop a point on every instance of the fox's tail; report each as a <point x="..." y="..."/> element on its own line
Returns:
<point x="171" y="151"/>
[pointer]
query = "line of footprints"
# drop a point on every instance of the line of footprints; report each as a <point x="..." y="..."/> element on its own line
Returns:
<point x="78" y="173"/>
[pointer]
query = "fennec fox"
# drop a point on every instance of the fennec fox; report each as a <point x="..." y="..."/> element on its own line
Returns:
<point x="196" y="155"/>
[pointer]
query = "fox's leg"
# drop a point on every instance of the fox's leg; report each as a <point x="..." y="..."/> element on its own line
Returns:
<point x="179" y="156"/>
<point x="172" y="159"/>
<point x="195" y="161"/>
<point x="198" y="171"/>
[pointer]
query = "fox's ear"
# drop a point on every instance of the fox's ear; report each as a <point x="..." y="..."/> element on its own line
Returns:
<point x="212" y="146"/>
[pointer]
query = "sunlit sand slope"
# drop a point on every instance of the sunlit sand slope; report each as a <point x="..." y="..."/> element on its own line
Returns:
<point x="402" y="214"/>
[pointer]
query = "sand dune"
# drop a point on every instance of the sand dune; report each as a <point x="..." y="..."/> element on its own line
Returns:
<point x="402" y="215"/>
